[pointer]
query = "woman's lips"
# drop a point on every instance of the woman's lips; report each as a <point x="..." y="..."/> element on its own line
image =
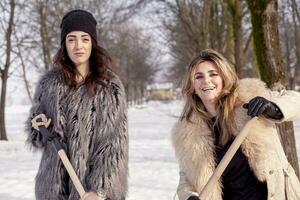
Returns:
<point x="208" y="89"/>
<point x="79" y="54"/>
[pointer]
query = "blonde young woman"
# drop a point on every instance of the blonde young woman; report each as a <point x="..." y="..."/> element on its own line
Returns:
<point x="217" y="106"/>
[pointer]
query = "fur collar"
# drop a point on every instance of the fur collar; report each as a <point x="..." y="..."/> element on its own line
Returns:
<point x="194" y="144"/>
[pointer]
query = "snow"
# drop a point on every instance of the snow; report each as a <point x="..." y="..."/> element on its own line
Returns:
<point x="153" y="171"/>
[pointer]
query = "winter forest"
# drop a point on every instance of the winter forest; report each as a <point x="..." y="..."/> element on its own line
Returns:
<point x="151" y="43"/>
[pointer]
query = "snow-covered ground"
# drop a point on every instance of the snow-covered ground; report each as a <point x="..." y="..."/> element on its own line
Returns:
<point x="153" y="169"/>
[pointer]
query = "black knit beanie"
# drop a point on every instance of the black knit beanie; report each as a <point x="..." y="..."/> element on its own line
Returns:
<point x="78" y="20"/>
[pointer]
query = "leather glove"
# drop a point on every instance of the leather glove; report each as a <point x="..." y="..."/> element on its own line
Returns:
<point x="193" y="198"/>
<point x="42" y="120"/>
<point x="50" y="137"/>
<point x="261" y="106"/>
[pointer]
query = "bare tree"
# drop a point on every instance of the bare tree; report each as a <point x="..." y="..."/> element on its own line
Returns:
<point x="287" y="42"/>
<point x="268" y="55"/>
<point x="135" y="60"/>
<point x="4" y="70"/>
<point x="32" y="47"/>
<point x="44" y="32"/>
<point x="296" y="23"/>
<point x="236" y="10"/>
<point x="47" y="16"/>
<point x="24" y="69"/>
<point x="189" y="27"/>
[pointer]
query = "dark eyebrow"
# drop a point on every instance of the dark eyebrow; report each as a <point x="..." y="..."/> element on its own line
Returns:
<point x="86" y="35"/>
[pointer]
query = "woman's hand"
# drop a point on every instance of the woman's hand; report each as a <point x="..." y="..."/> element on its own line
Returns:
<point x="91" y="196"/>
<point x="193" y="198"/>
<point x="35" y="124"/>
<point x="261" y="106"/>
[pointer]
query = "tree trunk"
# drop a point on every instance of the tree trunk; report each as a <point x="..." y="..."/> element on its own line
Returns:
<point x="296" y="17"/>
<point x="205" y="23"/>
<point x="46" y="46"/>
<point x="268" y="56"/>
<point x="27" y="87"/>
<point x="4" y="72"/>
<point x="235" y="10"/>
<point x="229" y="50"/>
<point x="3" y="135"/>
<point x="23" y="65"/>
<point x="287" y="51"/>
<point x="218" y="20"/>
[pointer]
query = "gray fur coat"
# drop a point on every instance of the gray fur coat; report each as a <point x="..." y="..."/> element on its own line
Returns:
<point x="94" y="134"/>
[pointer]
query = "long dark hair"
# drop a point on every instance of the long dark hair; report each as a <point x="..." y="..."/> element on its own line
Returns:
<point x="101" y="67"/>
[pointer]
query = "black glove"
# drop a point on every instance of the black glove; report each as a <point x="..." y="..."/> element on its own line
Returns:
<point x="193" y="198"/>
<point x="49" y="137"/>
<point x="261" y="106"/>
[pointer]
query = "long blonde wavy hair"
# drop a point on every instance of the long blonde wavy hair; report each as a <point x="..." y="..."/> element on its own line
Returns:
<point x="226" y="101"/>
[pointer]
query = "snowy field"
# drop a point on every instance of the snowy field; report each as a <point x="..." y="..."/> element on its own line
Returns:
<point x="153" y="169"/>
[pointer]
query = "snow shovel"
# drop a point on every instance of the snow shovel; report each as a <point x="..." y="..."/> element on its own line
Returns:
<point x="62" y="154"/>
<point x="227" y="158"/>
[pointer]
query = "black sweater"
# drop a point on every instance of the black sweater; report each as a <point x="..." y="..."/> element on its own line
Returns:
<point x="239" y="181"/>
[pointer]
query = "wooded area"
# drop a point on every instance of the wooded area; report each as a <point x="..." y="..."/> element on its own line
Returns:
<point x="145" y="37"/>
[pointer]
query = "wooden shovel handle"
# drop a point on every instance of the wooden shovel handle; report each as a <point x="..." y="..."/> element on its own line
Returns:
<point x="227" y="158"/>
<point x="71" y="172"/>
<point x="64" y="158"/>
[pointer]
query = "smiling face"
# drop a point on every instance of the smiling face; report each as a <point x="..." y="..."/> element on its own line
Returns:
<point x="207" y="82"/>
<point x="79" y="47"/>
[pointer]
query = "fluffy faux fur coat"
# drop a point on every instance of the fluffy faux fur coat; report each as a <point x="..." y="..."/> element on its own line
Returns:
<point x="194" y="147"/>
<point x="93" y="132"/>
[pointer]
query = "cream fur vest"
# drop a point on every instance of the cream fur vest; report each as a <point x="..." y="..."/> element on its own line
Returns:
<point x="194" y="147"/>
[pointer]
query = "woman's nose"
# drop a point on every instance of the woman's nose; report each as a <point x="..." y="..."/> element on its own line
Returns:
<point x="206" y="79"/>
<point x="78" y="44"/>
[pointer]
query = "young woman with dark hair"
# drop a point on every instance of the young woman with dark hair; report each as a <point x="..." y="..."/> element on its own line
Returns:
<point x="82" y="101"/>
<point x="100" y="67"/>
